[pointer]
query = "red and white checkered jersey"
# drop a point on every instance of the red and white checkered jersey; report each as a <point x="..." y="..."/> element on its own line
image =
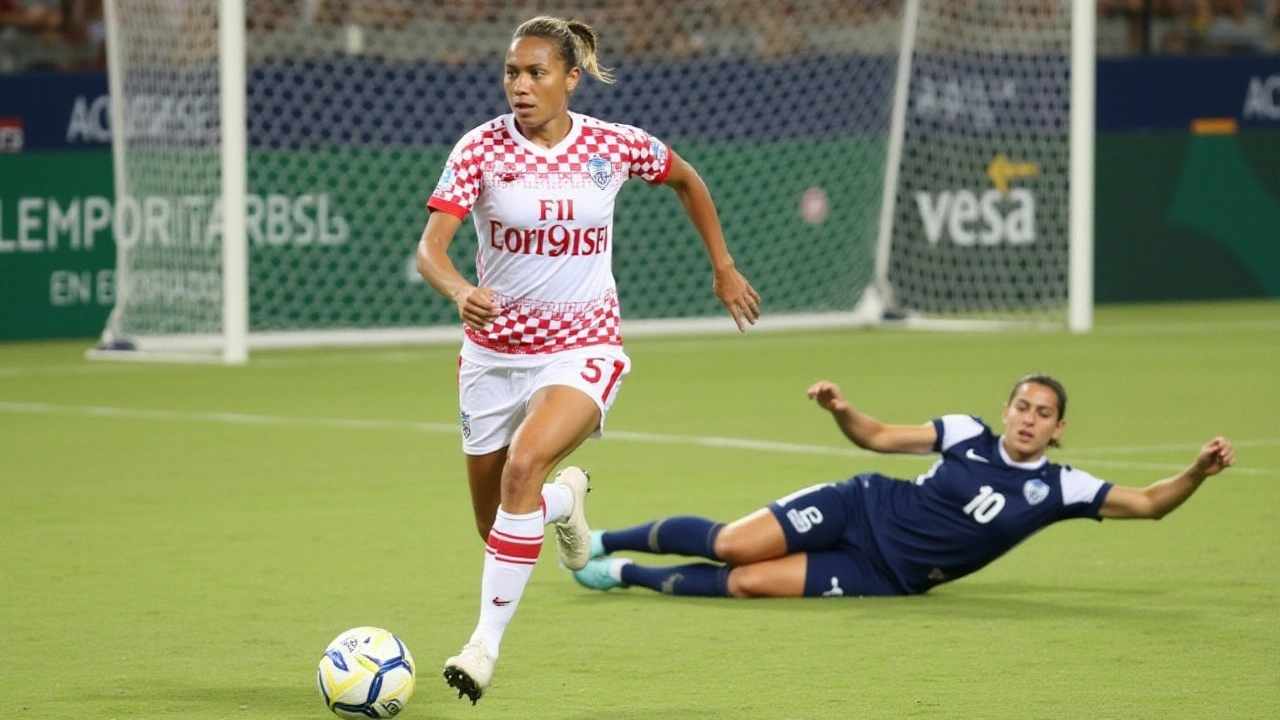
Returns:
<point x="544" y="226"/>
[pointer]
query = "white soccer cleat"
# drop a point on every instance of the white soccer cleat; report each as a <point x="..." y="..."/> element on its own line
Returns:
<point x="470" y="671"/>
<point x="573" y="534"/>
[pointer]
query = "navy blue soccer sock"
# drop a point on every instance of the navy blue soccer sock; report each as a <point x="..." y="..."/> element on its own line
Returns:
<point x="697" y="579"/>
<point x="679" y="535"/>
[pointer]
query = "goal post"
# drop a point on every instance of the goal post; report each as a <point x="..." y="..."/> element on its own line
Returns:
<point x="1083" y="128"/>
<point x="987" y="217"/>
<point x="233" y="151"/>
<point x="911" y="160"/>
<point x="178" y="124"/>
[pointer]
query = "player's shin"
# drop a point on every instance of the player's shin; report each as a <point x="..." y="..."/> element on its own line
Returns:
<point x="696" y="579"/>
<point x="512" y="550"/>
<point x="680" y="535"/>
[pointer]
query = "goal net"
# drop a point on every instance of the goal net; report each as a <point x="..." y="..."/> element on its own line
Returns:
<point x="892" y="158"/>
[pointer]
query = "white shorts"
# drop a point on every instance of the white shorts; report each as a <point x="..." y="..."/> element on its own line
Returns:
<point x="492" y="401"/>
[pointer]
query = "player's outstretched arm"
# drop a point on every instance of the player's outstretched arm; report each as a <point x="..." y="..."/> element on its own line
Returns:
<point x="867" y="432"/>
<point x="1164" y="496"/>
<point x="742" y="300"/>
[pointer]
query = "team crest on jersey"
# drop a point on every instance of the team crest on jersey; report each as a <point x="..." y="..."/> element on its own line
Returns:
<point x="465" y="417"/>
<point x="1035" y="491"/>
<point x="446" y="179"/>
<point x="600" y="170"/>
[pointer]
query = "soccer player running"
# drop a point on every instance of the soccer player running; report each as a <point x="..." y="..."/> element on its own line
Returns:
<point x="542" y="357"/>
<point x="874" y="535"/>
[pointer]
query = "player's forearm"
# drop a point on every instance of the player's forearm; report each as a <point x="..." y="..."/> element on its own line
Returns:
<point x="1166" y="495"/>
<point x="860" y="428"/>
<point x="437" y="269"/>
<point x="696" y="200"/>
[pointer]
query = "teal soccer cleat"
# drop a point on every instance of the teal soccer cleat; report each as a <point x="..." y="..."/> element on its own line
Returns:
<point x="597" y="576"/>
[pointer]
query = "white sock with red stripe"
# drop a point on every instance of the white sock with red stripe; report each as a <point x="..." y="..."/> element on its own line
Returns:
<point x="557" y="503"/>
<point x="510" y="554"/>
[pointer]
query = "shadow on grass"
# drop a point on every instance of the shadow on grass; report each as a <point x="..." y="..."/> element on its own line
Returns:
<point x="1006" y="601"/>
<point x="172" y="699"/>
<point x="175" y="699"/>
<point x="704" y="711"/>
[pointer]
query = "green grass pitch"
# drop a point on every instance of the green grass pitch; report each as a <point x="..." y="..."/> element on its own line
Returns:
<point x="183" y="541"/>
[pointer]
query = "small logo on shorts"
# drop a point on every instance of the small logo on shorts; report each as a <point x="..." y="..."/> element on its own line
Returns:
<point x="465" y="417"/>
<point x="835" y="590"/>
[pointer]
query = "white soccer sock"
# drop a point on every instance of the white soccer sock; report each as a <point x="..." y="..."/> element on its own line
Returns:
<point x="615" y="568"/>
<point x="557" y="503"/>
<point x="510" y="554"/>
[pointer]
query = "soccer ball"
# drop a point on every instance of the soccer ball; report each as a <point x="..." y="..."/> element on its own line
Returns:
<point x="366" y="672"/>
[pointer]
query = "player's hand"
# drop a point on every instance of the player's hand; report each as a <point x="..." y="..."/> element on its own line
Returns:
<point x="1216" y="455"/>
<point x="476" y="307"/>
<point x="828" y="396"/>
<point x="738" y="296"/>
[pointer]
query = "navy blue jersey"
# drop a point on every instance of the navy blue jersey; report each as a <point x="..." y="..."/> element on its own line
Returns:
<point x="970" y="508"/>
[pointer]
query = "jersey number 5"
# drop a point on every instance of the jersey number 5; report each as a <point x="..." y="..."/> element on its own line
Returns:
<point x="594" y="374"/>
<point x="986" y="505"/>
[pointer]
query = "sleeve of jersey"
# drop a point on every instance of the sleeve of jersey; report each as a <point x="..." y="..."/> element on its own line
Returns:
<point x="650" y="157"/>
<point x="953" y="429"/>
<point x="1083" y="494"/>
<point x="459" y="185"/>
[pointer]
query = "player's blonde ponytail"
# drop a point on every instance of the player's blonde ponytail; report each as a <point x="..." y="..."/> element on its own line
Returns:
<point x="588" y="40"/>
<point x="576" y="41"/>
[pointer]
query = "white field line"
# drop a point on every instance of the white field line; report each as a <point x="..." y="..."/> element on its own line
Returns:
<point x="117" y="413"/>
<point x="225" y="418"/>
<point x="799" y="340"/>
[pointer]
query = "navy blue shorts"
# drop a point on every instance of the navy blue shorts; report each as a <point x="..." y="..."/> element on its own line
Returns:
<point x="816" y="521"/>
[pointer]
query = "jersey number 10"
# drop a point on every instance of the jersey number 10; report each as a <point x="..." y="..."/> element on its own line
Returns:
<point x="986" y="505"/>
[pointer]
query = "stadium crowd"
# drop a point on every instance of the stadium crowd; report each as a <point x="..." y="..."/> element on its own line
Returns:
<point x="1201" y="27"/>
<point x="71" y="34"/>
<point x="52" y="35"/>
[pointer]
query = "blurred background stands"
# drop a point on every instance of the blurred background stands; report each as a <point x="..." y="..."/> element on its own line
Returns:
<point x="1200" y="27"/>
<point x="70" y="34"/>
<point x="51" y="35"/>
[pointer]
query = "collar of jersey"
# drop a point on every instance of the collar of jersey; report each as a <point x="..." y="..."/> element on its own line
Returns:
<point x="1024" y="465"/>
<point x="574" y="131"/>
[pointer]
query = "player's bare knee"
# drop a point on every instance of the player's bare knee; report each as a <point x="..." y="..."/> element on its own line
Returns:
<point x="730" y="546"/>
<point x="522" y="471"/>
<point x="522" y="480"/>
<point x="742" y="583"/>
